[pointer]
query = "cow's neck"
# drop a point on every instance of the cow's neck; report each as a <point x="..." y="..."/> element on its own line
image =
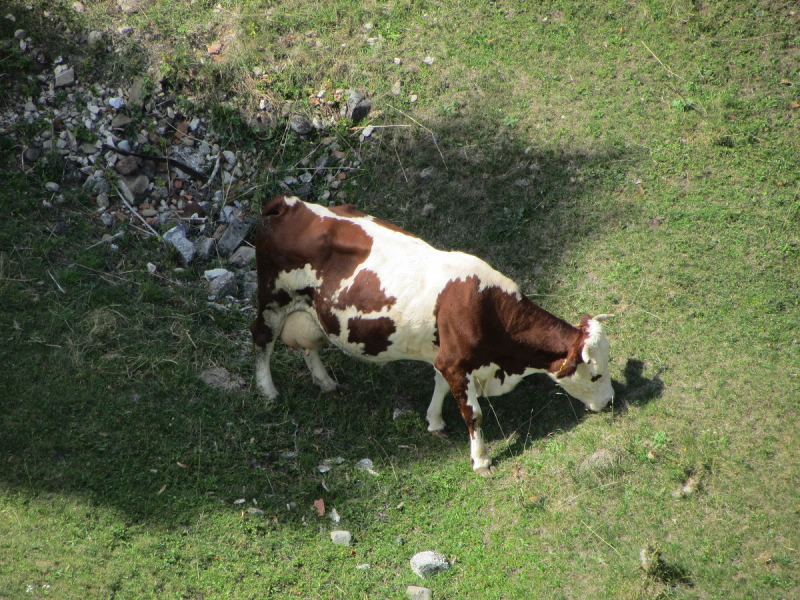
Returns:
<point x="542" y="338"/>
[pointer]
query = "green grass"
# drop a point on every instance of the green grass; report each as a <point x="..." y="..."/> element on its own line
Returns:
<point x="603" y="179"/>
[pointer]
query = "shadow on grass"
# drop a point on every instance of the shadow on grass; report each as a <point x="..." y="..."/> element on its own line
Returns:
<point x="130" y="426"/>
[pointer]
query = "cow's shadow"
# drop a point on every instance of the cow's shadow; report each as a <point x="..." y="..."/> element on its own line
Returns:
<point x="538" y="413"/>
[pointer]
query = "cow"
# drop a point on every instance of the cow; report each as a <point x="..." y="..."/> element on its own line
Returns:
<point x="382" y="294"/>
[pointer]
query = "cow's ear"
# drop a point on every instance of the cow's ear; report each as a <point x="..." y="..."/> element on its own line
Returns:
<point x="570" y="364"/>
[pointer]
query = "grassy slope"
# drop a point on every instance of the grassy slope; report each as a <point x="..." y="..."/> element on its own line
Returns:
<point x="561" y="140"/>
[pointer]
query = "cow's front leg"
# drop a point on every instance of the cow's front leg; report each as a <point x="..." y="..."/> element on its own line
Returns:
<point x="319" y="375"/>
<point x="436" y="424"/>
<point x="463" y="387"/>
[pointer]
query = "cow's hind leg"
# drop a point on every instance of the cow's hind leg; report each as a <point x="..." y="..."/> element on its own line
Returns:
<point x="463" y="388"/>
<point x="436" y="424"/>
<point x="318" y="373"/>
<point x="263" y="344"/>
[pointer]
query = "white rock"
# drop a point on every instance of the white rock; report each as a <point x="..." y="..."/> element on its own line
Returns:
<point x="415" y="592"/>
<point x="212" y="274"/>
<point x="429" y="563"/>
<point x="428" y="60"/>
<point x="341" y="537"/>
<point x="52" y="186"/>
<point x="230" y="157"/>
<point x="116" y="103"/>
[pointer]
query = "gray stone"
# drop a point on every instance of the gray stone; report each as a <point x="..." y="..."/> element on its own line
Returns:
<point x="88" y="148"/>
<point x="205" y="248"/>
<point x="249" y="286"/>
<point x="429" y="563"/>
<point x="397" y="88"/>
<point x="243" y="257"/>
<point x="230" y="157"/>
<point x="138" y="186"/>
<point x="135" y="93"/>
<point x="428" y="60"/>
<point x="65" y="78"/>
<point x="300" y="124"/>
<point x="120" y="121"/>
<point x="78" y="7"/>
<point x="94" y="38"/>
<point x="341" y="537"/>
<point x="224" y="285"/>
<point x="20" y="34"/>
<point x="233" y="237"/>
<point x="357" y="107"/>
<point x="415" y="592"/>
<point x="52" y="186"/>
<point x="102" y="200"/>
<point x="221" y="379"/>
<point x="31" y="154"/>
<point x="96" y="185"/>
<point x="185" y="249"/>
<point x="107" y="219"/>
<point x="212" y="274"/>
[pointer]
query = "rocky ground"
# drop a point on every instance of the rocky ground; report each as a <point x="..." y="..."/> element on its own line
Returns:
<point x="155" y="169"/>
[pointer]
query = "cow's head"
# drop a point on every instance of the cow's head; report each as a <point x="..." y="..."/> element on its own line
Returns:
<point x="584" y="374"/>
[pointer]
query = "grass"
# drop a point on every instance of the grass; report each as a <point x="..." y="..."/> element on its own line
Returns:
<point x="638" y="159"/>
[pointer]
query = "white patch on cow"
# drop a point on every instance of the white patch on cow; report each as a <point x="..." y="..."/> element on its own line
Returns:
<point x="263" y="375"/>
<point x="290" y="200"/>
<point x="594" y="394"/>
<point x="297" y="279"/>
<point x="489" y="383"/>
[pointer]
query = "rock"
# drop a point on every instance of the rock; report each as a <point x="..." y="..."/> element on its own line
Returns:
<point x="243" y="257"/>
<point x="341" y="537"/>
<point x="224" y="285"/>
<point x="94" y="38"/>
<point x="428" y="60"/>
<point x="415" y="592"/>
<point x="211" y="274"/>
<point x="78" y="7"/>
<point x="31" y="154"/>
<point x="176" y="237"/>
<point x="120" y="121"/>
<point x="138" y="186"/>
<point x="96" y="184"/>
<point x="397" y="88"/>
<point x="64" y="78"/>
<point x="427" y="172"/>
<point x="127" y="165"/>
<point x="230" y="157"/>
<point x="185" y="249"/>
<point x="52" y="186"/>
<point x="249" y="287"/>
<point x="102" y="200"/>
<point x="427" y="210"/>
<point x="357" y="107"/>
<point x="398" y="62"/>
<point x="88" y="148"/>
<point x="20" y="34"/>
<point x="233" y="237"/>
<point x="135" y="93"/>
<point x="429" y="563"/>
<point x="107" y="219"/>
<point x="116" y="103"/>
<point x="221" y="379"/>
<point x="205" y="248"/>
<point x="125" y="146"/>
<point x="300" y="124"/>
<point x="255" y="512"/>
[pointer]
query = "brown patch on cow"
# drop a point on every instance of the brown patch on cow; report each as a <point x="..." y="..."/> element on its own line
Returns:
<point x="373" y="333"/>
<point x="478" y="328"/>
<point x="365" y="294"/>
<point x="291" y="236"/>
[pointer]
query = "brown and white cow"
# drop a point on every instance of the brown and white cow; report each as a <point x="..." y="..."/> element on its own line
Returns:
<point x="382" y="294"/>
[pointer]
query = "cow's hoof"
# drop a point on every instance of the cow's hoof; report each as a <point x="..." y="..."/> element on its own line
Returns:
<point x="485" y="471"/>
<point x="441" y="433"/>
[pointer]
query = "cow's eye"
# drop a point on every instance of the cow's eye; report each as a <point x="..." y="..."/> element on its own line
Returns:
<point x="595" y="378"/>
